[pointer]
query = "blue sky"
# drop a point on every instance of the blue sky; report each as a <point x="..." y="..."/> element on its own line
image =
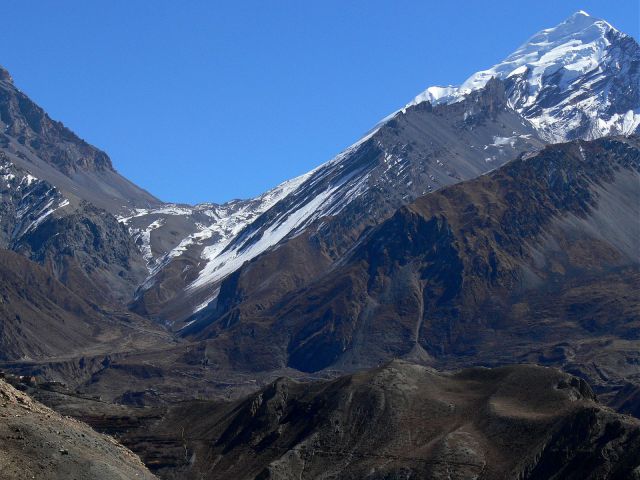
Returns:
<point x="207" y="101"/>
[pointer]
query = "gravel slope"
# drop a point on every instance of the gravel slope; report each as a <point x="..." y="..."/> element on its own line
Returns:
<point x="40" y="443"/>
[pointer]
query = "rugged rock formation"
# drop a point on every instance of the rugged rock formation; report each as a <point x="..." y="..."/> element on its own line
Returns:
<point x="52" y="152"/>
<point x="81" y="245"/>
<point x="399" y="421"/>
<point x="90" y="251"/>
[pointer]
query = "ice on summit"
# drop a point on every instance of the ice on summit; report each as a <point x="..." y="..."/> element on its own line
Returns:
<point x="565" y="66"/>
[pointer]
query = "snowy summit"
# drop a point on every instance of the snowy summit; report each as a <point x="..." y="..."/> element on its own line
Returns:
<point x="562" y="80"/>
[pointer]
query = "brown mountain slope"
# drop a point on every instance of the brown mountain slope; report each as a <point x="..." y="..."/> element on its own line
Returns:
<point x="535" y="262"/>
<point x="58" y="194"/>
<point x="401" y="421"/>
<point x="42" y="320"/>
<point x="89" y="251"/>
<point x="39" y="443"/>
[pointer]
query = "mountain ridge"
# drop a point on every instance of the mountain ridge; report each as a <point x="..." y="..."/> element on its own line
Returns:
<point x="586" y="56"/>
<point x="399" y="421"/>
<point x="52" y="152"/>
<point x="430" y="279"/>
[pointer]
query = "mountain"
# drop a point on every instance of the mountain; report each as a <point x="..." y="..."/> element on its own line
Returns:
<point x="407" y="157"/>
<point x="539" y="257"/>
<point x="37" y="442"/>
<point x="171" y="237"/>
<point x="579" y="79"/>
<point x="59" y="195"/>
<point x="481" y="225"/>
<point x="81" y="245"/>
<point x="535" y="262"/>
<point x="51" y="152"/>
<point x="221" y="275"/>
<point x="399" y="421"/>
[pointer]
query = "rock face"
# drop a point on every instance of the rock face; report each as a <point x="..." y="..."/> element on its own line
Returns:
<point x="40" y="443"/>
<point x="58" y="196"/>
<point x="27" y="123"/>
<point x="400" y="421"/>
<point x="627" y="400"/>
<point x="26" y="201"/>
<point x="81" y="245"/>
<point x="89" y="250"/>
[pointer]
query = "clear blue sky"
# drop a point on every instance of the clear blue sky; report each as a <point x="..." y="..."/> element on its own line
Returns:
<point x="209" y="100"/>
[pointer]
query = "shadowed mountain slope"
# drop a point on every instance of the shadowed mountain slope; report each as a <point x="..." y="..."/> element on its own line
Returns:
<point x="43" y="320"/>
<point x="400" y="421"/>
<point x="83" y="246"/>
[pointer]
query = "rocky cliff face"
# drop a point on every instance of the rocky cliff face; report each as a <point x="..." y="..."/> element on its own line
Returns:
<point x="90" y="251"/>
<point x="28" y="124"/>
<point x="56" y="194"/>
<point x="26" y="201"/>
<point x="83" y="246"/>
<point x="400" y="421"/>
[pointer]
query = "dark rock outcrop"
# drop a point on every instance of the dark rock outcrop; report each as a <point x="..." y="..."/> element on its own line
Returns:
<point x="400" y="421"/>
<point x="89" y="251"/>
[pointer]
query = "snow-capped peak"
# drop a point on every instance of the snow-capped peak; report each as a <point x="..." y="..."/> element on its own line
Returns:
<point x="561" y="78"/>
<point x="577" y="45"/>
<point x="578" y="79"/>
